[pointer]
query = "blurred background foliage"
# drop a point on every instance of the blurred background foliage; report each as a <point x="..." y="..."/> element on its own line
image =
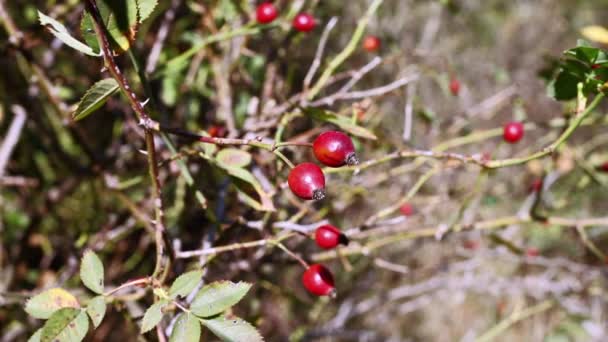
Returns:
<point x="414" y="289"/>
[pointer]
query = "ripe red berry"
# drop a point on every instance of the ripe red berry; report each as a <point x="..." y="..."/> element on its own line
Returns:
<point x="266" y="13"/>
<point x="536" y="185"/>
<point x="513" y="132"/>
<point x="454" y="87"/>
<point x="217" y="131"/>
<point x="335" y="149"/>
<point x="328" y="237"/>
<point x="406" y="209"/>
<point x="307" y="181"/>
<point x="595" y="66"/>
<point x="371" y="43"/>
<point x="304" y="22"/>
<point x="532" y="252"/>
<point x="318" y="280"/>
<point x="604" y="167"/>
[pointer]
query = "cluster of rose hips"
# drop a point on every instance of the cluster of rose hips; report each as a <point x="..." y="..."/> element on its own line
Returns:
<point x="307" y="181"/>
<point x="267" y="13"/>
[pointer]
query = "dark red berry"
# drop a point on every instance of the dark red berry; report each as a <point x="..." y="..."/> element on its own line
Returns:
<point x="217" y="131"/>
<point x="532" y="252"/>
<point x="266" y="13"/>
<point x="371" y="43"/>
<point x="319" y="281"/>
<point x="595" y="66"/>
<point x="455" y="87"/>
<point x="406" y="209"/>
<point x="603" y="167"/>
<point x="471" y="244"/>
<point x="328" y="237"/>
<point x="513" y="132"/>
<point x="334" y="149"/>
<point x="536" y="185"/>
<point x="304" y="22"/>
<point x="307" y="181"/>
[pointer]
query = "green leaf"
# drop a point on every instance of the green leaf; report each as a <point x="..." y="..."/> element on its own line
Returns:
<point x="343" y="122"/>
<point x="59" y="31"/>
<point x="46" y="303"/>
<point x="187" y="328"/>
<point x="91" y="272"/>
<point x="233" y="157"/>
<point x="584" y="53"/>
<point x="121" y="20"/>
<point x="145" y="7"/>
<point x="95" y="97"/>
<point x="564" y="86"/>
<point x="65" y="325"/>
<point x="97" y="310"/>
<point x="36" y="336"/>
<point x="153" y="316"/>
<point x="232" y="329"/>
<point x="217" y="297"/>
<point x="246" y="176"/>
<point x="185" y="283"/>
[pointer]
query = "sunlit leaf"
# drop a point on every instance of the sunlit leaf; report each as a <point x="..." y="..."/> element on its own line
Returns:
<point x="217" y="297"/>
<point x="185" y="283"/>
<point x="595" y="33"/>
<point x="187" y="328"/>
<point x="65" y="325"/>
<point x="96" y="308"/>
<point x="232" y="329"/>
<point x="46" y="303"/>
<point x="153" y="316"/>
<point x="91" y="272"/>
<point x="59" y="31"/>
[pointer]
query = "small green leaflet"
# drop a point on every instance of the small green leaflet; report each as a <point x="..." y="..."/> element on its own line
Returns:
<point x="185" y="283"/>
<point x="121" y="18"/>
<point x="59" y="31"/>
<point x="153" y="316"/>
<point x="95" y="97"/>
<point x="65" y="325"/>
<point x="91" y="272"/>
<point x="216" y="297"/>
<point x="187" y="328"/>
<point x="97" y="310"/>
<point x="232" y="329"/>
<point x="343" y="122"/>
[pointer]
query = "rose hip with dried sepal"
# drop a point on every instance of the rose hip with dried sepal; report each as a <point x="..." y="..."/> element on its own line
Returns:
<point x="328" y="237"/>
<point x="307" y="181"/>
<point x="319" y="281"/>
<point x="334" y="149"/>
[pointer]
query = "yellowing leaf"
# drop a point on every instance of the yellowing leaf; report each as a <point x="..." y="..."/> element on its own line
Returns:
<point x="596" y="33"/>
<point x="44" y="304"/>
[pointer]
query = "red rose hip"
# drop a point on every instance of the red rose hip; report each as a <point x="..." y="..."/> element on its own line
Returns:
<point x="304" y="22"/>
<point x="266" y="13"/>
<point x="513" y="132"/>
<point x="406" y="209"/>
<point x="328" y="237"/>
<point x="455" y="87"/>
<point x="319" y="281"/>
<point x="334" y="149"/>
<point x="371" y="43"/>
<point x="307" y="181"/>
